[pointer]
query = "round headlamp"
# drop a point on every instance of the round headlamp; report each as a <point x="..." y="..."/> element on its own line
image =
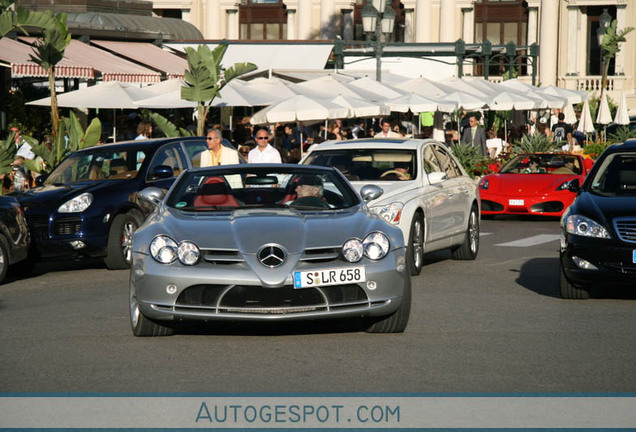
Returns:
<point x="376" y="245"/>
<point x="163" y="249"/>
<point x="352" y="250"/>
<point x="188" y="253"/>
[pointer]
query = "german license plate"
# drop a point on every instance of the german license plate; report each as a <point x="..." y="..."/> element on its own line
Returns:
<point x="634" y="256"/>
<point x="326" y="277"/>
<point x="515" y="202"/>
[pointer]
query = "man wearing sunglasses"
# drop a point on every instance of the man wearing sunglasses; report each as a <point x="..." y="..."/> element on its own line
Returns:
<point x="264" y="152"/>
<point x="217" y="153"/>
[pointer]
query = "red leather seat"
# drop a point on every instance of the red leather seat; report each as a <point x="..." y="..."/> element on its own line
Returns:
<point x="215" y="192"/>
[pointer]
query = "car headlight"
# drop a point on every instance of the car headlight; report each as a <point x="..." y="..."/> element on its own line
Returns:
<point x="586" y="227"/>
<point x="484" y="184"/>
<point x="188" y="253"/>
<point x="77" y="204"/>
<point x="376" y="245"/>
<point x="352" y="250"/>
<point x="163" y="249"/>
<point x="390" y="212"/>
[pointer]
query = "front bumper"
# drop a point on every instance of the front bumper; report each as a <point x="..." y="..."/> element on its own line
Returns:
<point x="233" y="292"/>
<point x="56" y="234"/>
<point x="613" y="261"/>
<point x="545" y="204"/>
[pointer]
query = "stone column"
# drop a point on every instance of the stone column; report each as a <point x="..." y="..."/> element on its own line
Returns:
<point x="232" y="24"/>
<point x="447" y="18"/>
<point x="574" y="32"/>
<point x="409" y="26"/>
<point x="619" y="60"/>
<point x="347" y="24"/>
<point x="423" y="22"/>
<point x="468" y="34"/>
<point x="327" y="20"/>
<point x="304" y="29"/>
<point x="213" y="19"/>
<point x="292" y="31"/>
<point x="185" y="15"/>
<point x="532" y="31"/>
<point x="548" y="42"/>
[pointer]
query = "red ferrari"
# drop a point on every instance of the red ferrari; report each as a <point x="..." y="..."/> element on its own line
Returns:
<point x="533" y="184"/>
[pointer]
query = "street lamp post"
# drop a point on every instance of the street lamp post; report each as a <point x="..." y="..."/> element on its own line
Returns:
<point x="378" y="17"/>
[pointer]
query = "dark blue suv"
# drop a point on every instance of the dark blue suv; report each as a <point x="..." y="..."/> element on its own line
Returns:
<point x="87" y="206"/>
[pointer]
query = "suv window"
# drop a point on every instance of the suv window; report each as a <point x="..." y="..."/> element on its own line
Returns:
<point x="97" y="164"/>
<point x="170" y="155"/>
<point x="194" y="150"/>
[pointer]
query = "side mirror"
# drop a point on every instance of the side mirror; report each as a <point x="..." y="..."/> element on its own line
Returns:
<point x="371" y="192"/>
<point x="162" y="171"/>
<point x="39" y="180"/>
<point x="153" y="195"/>
<point x="436" y="177"/>
<point x="574" y="185"/>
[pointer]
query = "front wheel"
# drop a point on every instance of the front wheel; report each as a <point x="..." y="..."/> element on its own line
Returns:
<point x="415" y="248"/>
<point x="119" y="250"/>
<point x="397" y="321"/>
<point x="468" y="250"/>
<point x="142" y="326"/>
<point x="569" y="291"/>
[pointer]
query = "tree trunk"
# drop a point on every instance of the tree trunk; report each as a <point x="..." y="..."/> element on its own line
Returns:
<point x="55" y="115"/>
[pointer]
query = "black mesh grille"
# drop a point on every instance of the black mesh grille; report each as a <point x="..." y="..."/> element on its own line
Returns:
<point x="67" y="226"/>
<point x="38" y="223"/>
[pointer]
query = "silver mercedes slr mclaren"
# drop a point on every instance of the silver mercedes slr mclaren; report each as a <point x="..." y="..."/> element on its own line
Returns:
<point x="266" y="243"/>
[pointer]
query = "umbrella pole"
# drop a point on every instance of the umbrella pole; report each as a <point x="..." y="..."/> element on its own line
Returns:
<point x="114" y="125"/>
<point x="302" y="144"/>
<point x="325" y="129"/>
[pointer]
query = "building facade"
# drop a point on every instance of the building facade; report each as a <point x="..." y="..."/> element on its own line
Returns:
<point x="566" y="30"/>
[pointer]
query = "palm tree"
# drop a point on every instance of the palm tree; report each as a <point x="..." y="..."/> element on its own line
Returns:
<point x="205" y="78"/>
<point x="11" y="19"/>
<point x="49" y="52"/>
<point x="610" y="47"/>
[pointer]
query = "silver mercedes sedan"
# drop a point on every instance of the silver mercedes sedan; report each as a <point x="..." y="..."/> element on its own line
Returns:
<point x="266" y="243"/>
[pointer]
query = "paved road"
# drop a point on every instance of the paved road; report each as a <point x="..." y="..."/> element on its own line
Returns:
<point x="492" y="325"/>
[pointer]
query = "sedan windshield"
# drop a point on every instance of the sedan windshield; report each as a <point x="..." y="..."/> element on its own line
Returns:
<point x="543" y="164"/>
<point x="97" y="164"/>
<point x="616" y="175"/>
<point x="253" y="186"/>
<point x="365" y="164"/>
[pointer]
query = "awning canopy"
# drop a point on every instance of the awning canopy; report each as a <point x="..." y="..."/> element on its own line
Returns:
<point x="109" y="66"/>
<point x="297" y="56"/>
<point x="148" y="54"/>
<point x="16" y="55"/>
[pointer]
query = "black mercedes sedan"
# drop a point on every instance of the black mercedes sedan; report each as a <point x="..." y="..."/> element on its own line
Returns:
<point x="87" y="206"/>
<point x="598" y="241"/>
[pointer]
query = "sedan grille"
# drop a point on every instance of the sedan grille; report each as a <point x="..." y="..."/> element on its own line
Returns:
<point x="220" y="299"/>
<point x="626" y="229"/>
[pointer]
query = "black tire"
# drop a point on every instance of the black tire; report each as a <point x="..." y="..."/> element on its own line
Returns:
<point x="397" y="321"/>
<point x="469" y="249"/>
<point x="119" y="249"/>
<point x="142" y="326"/>
<point x="4" y="260"/>
<point x="570" y="291"/>
<point x="415" y="248"/>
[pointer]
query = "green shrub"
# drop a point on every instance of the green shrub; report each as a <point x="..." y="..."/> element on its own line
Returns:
<point x="594" y="150"/>
<point x="535" y="144"/>
<point x="621" y="135"/>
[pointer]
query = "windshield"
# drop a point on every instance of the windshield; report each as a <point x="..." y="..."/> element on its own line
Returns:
<point x="251" y="186"/>
<point x="616" y="175"/>
<point x="365" y="164"/>
<point x="97" y="164"/>
<point x="543" y="164"/>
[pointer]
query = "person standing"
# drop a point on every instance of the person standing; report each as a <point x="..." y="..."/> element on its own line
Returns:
<point x="386" y="131"/>
<point x="475" y="135"/>
<point x="562" y="132"/>
<point x="217" y="153"/>
<point x="264" y="152"/>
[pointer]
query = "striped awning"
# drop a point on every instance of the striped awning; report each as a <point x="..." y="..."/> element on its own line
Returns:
<point x="16" y="55"/>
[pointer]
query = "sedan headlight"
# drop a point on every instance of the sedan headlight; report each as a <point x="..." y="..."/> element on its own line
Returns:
<point x="376" y="245"/>
<point x="163" y="249"/>
<point x="390" y="212"/>
<point x="586" y="227"/>
<point x="77" y="204"/>
<point x="188" y="253"/>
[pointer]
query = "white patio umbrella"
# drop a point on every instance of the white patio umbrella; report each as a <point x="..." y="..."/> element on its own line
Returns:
<point x="461" y="85"/>
<point x="586" y="125"/>
<point x="105" y="95"/>
<point x="604" y="116"/>
<point x="327" y="86"/>
<point x="572" y="96"/>
<point x="465" y="101"/>
<point x="417" y="104"/>
<point x="269" y="90"/>
<point x="547" y="100"/>
<point x="300" y="108"/>
<point x="362" y="108"/>
<point x="165" y="95"/>
<point x="570" y="115"/>
<point x="369" y="85"/>
<point x="424" y="87"/>
<point x="622" y="116"/>
<point x="512" y="100"/>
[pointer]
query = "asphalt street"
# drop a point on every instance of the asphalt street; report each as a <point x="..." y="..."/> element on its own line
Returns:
<point x="491" y="325"/>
